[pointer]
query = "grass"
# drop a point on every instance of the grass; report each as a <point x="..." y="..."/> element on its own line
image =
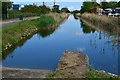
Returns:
<point x="92" y="74"/>
<point x="109" y="24"/>
<point x="100" y="74"/>
<point x="13" y="33"/>
<point x="45" y="21"/>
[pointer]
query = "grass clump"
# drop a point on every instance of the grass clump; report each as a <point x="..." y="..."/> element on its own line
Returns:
<point x="100" y="74"/>
<point x="45" y="21"/>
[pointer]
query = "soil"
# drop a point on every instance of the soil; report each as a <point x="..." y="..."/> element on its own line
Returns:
<point x="72" y="65"/>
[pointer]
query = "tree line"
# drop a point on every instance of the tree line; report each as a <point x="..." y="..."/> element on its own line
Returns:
<point x="87" y="5"/>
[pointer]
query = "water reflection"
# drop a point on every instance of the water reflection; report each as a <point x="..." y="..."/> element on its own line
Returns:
<point x="43" y="52"/>
<point x="42" y="33"/>
<point x="45" y="33"/>
<point x="86" y="28"/>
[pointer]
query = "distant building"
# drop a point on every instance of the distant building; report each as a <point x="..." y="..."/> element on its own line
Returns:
<point x="36" y="4"/>
<point x="17" y="7"/>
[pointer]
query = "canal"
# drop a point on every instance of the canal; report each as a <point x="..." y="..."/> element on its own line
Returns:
<point x="44" y="49"/>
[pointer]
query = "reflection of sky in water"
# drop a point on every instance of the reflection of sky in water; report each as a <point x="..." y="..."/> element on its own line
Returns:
<point x="44" y="53"/>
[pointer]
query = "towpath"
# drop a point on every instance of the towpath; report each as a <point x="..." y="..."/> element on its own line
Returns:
<point x="14" y="21"/>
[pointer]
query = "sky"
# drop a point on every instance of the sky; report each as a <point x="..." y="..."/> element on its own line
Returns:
<point x="70" y="4"/>
<point x="53" y="0"/>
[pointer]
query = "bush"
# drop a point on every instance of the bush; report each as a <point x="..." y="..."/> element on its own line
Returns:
<point x="45" y="21"/>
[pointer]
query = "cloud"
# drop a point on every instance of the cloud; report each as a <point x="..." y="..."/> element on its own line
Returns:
<point x="81" y="49"/>
<point x="78" y="33"/>
<point x="74" y="7"/>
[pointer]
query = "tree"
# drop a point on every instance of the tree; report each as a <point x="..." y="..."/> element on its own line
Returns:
<point x="87" y="6"/>
<point x="44" y="9"/>
<point x="31" y="9"/>
<point x="35" y="9"/>
<point x="118" y="4"/>
<point x="65" y="10"/>
<point x="5" y="6"/>
<point x="109" y="4"/>
<point x="56" y="8"/>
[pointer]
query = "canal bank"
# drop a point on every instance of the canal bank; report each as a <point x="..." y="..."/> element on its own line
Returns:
<point x="71" y="65"/>
<point x="16" y="33"/>
<point x="44" y="49"/>
<point x="104" y="23"/>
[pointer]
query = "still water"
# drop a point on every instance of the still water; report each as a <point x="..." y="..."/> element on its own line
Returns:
<point x="45" y="48"/>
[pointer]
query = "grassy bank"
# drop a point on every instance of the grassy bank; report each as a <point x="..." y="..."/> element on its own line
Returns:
<point x="100" y="74"/>
<point x="14" y="33"/>
<point x="108" y="24"/>
<point x="92" y="74"/>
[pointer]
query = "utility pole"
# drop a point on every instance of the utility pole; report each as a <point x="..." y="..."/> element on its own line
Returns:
<point x="54" y="2"/>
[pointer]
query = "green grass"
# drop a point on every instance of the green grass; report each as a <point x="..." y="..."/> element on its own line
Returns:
<point x="12" y="34"/>
<point x="92" y="74"/>
<point x="45" y="21"/>
<point x="100" y="74"/>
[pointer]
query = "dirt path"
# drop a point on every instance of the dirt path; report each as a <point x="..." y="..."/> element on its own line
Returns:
<point x="23" y="73"/>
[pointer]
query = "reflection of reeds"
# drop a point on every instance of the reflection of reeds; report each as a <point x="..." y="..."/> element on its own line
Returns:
<point x="109" y="24"/>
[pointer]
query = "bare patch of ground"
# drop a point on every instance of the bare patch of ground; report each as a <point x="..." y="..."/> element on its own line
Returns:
<point x="71" y="65"/>
<point x="24" y="73"/>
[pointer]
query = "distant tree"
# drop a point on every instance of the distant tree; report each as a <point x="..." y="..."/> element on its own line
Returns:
<point x="118" y="4"/>
<point x="31" y="9"/>
<point x="44" y="9"/>
<point x="87" y="5"/>
<point x="56" y="8"/>
<point x="65" y="10"/>
<point x="35" y="9"/>
<point x="109" y="4"/>
<point x="5" y="6"/>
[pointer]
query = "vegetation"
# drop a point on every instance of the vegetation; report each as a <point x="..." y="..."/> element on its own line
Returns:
<point x="89" y="75"/>
<point x="5" y="5"/>
<point x="87" y="5"/>
<point x="100" y="74"/>
<point x="56" y="8"/>
<point x="14" y="33"/>
<point x="45" y="21"/>
<point x="35" y="9"/>
<point x="65" y="10"/>
<point x="108" y="24"/>
<point x="106" y="4"/>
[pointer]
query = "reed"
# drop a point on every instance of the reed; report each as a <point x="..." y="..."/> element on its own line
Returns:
<point x="109" y="24"/>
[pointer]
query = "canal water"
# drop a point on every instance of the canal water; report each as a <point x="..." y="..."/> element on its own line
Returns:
<point x="45" y="48"/>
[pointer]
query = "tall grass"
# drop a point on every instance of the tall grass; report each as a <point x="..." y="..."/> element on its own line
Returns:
<point x="45" y="21"/>
<point x="109" y="24"/>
